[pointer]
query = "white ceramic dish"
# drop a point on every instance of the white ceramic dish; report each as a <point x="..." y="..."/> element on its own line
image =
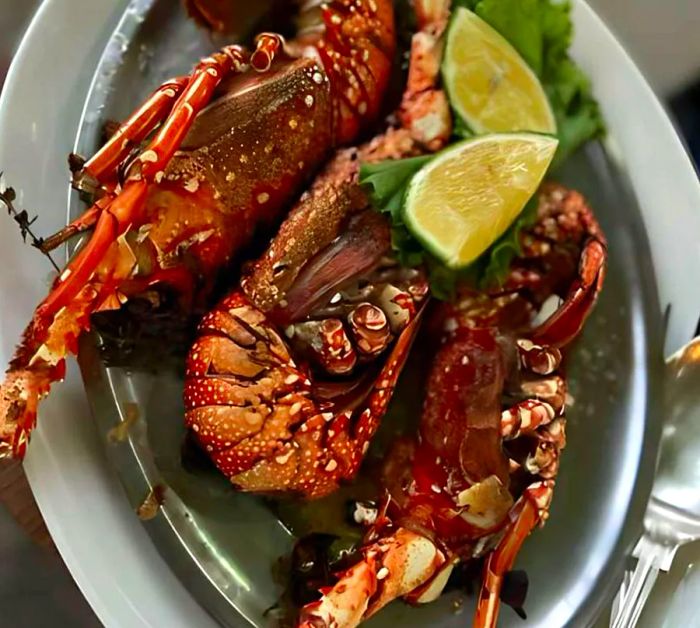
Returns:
<point x="106" y="549"/>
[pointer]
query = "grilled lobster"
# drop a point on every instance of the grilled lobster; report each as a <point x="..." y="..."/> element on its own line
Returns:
<point x="479" y="476"/>
<point x="186" y="179"/>
<point x="290" y="375"/>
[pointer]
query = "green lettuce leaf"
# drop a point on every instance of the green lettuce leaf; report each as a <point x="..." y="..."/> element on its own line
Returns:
<point x="502" y="252"/>
<point x="386" y="183"/>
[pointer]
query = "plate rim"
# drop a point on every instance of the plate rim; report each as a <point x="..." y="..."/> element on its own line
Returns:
<point x="36" y="475"/>
<point x="93" y="564"/>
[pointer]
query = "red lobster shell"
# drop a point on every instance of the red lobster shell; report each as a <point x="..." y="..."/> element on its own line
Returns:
<point x="289" y="378"/>
<point x="184" y="182"/>
<point x="285" y="386"/>
<point x="480" y="475"/>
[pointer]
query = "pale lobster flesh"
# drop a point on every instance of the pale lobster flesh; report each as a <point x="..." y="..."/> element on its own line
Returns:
<point x="290" y="375"/>
<point x="480" y="475"/>
<point x="182" y="184"/>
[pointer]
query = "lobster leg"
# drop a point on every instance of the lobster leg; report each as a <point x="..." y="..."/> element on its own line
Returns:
<point x="132" y="132"/>
<point x="206" y="76"/>
<point x="389" y="569"/>
<point x="525" y="417"/>
<point x="565" y="324"/>
<point x="424" y="110"/>
<point x="92" y="276"/>
<point x="125" y="208"/>
<point x="531" y="509"/>
<point x="102" y="166"/>
<point x="268" y="45"/>
<point x="538" y="420"/>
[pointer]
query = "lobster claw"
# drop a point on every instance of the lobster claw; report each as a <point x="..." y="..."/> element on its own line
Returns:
<point x="566" y="323"/>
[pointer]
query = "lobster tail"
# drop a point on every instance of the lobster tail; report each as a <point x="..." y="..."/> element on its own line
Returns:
<point x="262" y="418"/>
<point x="357" y="50"/>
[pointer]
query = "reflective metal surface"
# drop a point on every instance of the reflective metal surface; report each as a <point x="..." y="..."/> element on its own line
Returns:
<point x="672" y="518"/>
<point x="224" y="545"/>
<point x="677" y="482"/>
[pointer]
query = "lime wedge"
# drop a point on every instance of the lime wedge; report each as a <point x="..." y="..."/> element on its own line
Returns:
<point x="489" y="84"/>
<point x="462" y="201"/>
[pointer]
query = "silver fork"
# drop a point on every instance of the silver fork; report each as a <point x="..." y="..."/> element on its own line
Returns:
<point x="672" y="517"/>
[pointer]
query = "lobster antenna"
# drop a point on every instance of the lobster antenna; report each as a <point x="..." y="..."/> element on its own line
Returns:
<point x="7" y="196"/>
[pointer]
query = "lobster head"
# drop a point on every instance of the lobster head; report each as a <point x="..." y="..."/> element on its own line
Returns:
<point x="290" y="376"/>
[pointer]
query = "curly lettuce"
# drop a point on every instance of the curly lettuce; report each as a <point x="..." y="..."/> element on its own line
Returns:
<point x="541" y="31"/>
<point x="386" y="183"/>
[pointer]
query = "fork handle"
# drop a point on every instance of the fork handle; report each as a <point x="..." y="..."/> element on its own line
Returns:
<point x="652" y="557"/>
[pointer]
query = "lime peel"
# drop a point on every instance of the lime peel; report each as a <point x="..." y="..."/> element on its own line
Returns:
<point x="490" y="86"/>
<point x="463" y="201"/>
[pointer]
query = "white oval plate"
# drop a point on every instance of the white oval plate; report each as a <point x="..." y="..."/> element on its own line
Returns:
<point x="103" y="544"/>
